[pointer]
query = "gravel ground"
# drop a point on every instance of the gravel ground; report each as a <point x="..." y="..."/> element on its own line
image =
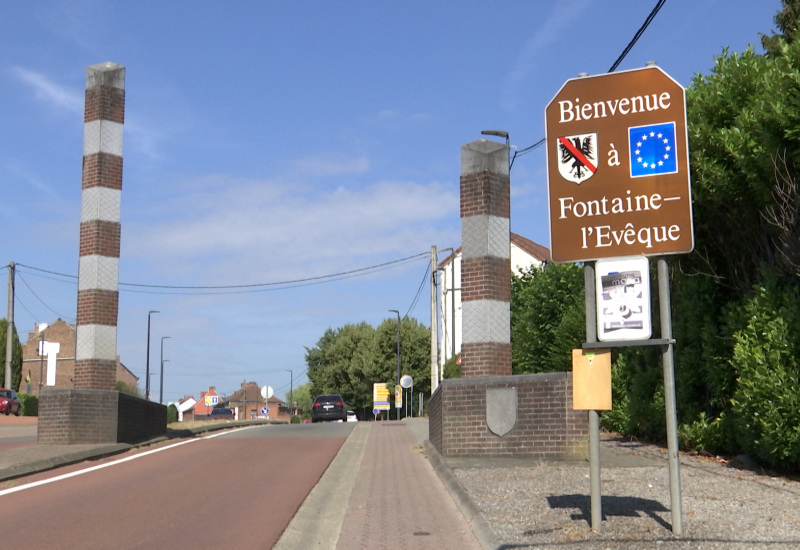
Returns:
<point x="547" y="504"/>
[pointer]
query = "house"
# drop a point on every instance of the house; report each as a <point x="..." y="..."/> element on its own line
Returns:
<point x="524" y="253"/>
<point x="186" y="409"/>
<point x="247" y="401"/>
<point x="48" y="359"/>
<point x="208" y="400"/>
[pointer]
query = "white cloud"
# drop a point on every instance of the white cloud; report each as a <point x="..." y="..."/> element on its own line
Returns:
<point x="268" y="231"/>
<point x="48" y="91"/>
<point x="556" y="27"/>
<point x="330" y="164"/>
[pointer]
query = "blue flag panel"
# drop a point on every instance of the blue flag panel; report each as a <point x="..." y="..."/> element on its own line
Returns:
<point x="652" y="149"/>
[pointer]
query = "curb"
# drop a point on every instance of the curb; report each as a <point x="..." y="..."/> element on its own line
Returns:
<point x="95" y="452"/>
<point x="480" y="527"/>
<point x="65" y="459"/>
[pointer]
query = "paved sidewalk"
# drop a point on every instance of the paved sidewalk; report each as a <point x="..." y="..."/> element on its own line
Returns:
<point x="381" y="491"/>
<point x="398" y="500"/>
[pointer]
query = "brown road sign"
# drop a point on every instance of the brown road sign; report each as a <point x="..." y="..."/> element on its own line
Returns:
<point x="618" y="167"/>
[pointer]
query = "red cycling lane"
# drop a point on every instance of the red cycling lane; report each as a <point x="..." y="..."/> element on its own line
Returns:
<point x="239" y="488"/>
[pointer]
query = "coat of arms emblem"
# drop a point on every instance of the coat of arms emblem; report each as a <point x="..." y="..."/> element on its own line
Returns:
<point x="577" y="157"/>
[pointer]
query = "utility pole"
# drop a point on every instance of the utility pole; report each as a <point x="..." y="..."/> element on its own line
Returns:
<point x="434" y="327"/>
<point x="397" y="381"/>
<point x="10" y="325"/>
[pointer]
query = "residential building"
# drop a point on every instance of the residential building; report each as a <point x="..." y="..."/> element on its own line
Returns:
<point x="48" y="360"/>
<point x="208" y="400"/>
<point x="524" y="254"/>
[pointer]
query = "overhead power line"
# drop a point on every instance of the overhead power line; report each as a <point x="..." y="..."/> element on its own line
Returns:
<point x="258" y="287"/>
<point x="613" y="67"/>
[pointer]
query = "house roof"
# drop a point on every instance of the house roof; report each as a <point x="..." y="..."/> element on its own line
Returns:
<point x="187" y="405"/>
<point x="536" y="250"/>
<point x="250" y="392"/>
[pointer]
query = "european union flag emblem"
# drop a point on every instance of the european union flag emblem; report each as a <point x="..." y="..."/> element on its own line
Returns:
<point x="652" y="149"/>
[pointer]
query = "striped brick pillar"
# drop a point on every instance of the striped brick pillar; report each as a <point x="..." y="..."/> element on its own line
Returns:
<point x="101" y="184"/>
<point x="486" y="260"/>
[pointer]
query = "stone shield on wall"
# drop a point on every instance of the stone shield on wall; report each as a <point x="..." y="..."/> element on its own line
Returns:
<point x="501" y="410"/>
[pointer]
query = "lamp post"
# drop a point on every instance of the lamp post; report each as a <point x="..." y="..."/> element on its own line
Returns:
<point x="161" y="383"/>
<point x="398" y="355"/>
<point x="291" y="393"/>
<point x="147" y="368"/>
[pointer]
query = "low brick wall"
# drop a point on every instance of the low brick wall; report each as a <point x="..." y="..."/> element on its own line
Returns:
<point x="139" y="419"/>
<point x="545" y="427"/>
<point x="74" y="417"/>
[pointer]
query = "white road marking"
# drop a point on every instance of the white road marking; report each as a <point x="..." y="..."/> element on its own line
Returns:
<point x="113" y="463"/>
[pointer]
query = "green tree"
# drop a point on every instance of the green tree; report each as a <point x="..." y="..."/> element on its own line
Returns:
<point x="787" y="22"/>
<point x="350" y="359"/>
<point x="735" y="297"/>
<point x="16" y="356"/>
<point x="301" y="396"/>
<point x="547" y="318"/>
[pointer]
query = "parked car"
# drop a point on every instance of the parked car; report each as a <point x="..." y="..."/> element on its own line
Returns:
<point x="221" y="413"/>
<point x="351" y="416"/>
<point x="9" y="402"/>
<point x="328" y="407"/>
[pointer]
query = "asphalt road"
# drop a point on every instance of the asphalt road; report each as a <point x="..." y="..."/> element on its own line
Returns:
<point x="239" y="487"/>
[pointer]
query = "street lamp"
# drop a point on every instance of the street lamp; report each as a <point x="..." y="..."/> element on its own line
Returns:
<point x="291" y="393"/>
<point x="147" y="369"/>
<point x="161" y="384"/>
<point x="398" y="355"/>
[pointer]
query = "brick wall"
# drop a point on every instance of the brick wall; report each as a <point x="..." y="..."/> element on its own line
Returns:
<point x="69" y="417"/>
<point x="546" y="425"/>
<point x="81" y="416"/>
<point x="485" y="193"/>
<point x="140" y="419"/>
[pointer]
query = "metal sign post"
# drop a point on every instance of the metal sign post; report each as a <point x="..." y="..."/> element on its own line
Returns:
<point x="669" y="396"/>
<point x="618" y="185"/>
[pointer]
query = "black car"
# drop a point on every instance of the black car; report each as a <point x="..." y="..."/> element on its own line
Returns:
<point x="328" y="407"/>
<point x="221" y="413"/>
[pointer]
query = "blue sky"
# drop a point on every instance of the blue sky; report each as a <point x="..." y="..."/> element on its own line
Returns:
<point x="268" y="142"/>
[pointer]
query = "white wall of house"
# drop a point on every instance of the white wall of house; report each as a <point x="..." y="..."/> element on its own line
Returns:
<point x="449" y="291"/>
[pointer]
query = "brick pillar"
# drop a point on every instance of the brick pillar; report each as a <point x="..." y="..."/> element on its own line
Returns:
<point x="486" y="260"/>
<point x="101" y="184"/>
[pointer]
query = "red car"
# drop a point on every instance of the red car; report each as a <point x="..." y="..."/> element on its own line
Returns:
<point x="9" y="402"/>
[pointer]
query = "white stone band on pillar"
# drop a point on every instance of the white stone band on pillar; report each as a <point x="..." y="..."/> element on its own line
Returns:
<point x="485" y="321"/>
<point x="98" y="272"/>
<point x="102" y="136"/>
<point x="100" y="203"/>
<point x="485" y="235"/>
<point x="96" y="342"/>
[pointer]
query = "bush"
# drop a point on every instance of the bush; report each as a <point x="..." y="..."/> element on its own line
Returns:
<point x="705" y="434"/>
<point x="172" y="414"/>
<point x="28" y="404"/>
<point x="637" y="388"/>
<point x="766" y="403"/>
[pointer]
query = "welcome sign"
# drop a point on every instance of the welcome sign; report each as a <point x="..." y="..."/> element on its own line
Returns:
<point x="618" y="167"/>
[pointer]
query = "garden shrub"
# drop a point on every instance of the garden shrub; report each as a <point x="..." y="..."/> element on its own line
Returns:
<point x="766" y="402"/>
<point x="28" y="404"/>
